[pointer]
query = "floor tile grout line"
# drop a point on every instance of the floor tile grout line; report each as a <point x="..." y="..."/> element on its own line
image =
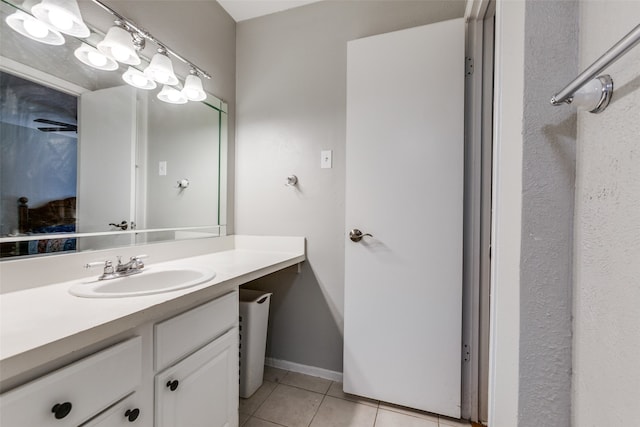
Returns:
<point x="272" y="422"/>
<point x="317" y="410"/>
<point x="265" y="399"/>
<point x="304" y="389"/>
<point x="375" y="419"/>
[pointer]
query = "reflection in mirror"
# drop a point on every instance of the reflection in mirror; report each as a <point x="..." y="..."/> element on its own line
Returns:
<point x="88" y="162"/>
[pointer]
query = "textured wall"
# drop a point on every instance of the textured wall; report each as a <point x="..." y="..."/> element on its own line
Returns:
<point x="606" y="383"/>
<point x="291" y="97"/>
<point x="551" y="47"/>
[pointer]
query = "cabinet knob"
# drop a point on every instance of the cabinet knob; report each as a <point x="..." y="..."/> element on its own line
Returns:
<point x="61" y="410"/>
<point x="172" y="385"/>
<point x="132" y="414"/>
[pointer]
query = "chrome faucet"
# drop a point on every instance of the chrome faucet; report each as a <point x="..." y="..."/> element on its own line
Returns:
<point x="134" y="266"/>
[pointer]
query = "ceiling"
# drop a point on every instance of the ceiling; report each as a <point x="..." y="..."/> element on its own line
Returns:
<point x="241" y="10"/>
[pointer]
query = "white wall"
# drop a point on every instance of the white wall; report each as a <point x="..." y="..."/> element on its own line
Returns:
<point x="291" y="70"/>
<point x="606" y="381"/>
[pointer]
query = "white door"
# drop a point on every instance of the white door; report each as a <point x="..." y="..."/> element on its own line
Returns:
<point x="404" y="185"/>
<point x="106" y="163"/>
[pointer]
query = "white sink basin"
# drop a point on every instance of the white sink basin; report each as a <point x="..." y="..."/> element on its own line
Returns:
<point x="150" y="281"/>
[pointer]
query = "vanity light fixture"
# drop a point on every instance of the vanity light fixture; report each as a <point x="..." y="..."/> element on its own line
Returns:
<point x="172" y="95"/>
<point x="193" y="87"/>
<point x="63" y="15"/>
<point x="118" y="43"/>
<point x="92" y="57"/>
<point x="136" y="78"/>
<point x="34" y="29"/>
<point x="161" y="69"/>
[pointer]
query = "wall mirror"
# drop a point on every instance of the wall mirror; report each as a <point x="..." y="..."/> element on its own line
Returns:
<point x="88" y="162"/>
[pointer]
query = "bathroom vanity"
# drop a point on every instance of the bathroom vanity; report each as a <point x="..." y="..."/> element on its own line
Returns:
<point x="165" y="359"/>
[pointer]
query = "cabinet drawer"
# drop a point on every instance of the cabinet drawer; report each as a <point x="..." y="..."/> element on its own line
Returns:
<point x="125" y="413"/>
<point x="77" y="392"/>
<point x="179" y="336"/>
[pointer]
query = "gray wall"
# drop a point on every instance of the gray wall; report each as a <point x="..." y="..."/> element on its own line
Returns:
<point x="186" y="138"/>
<point x="291" y="97"/>
<point x="606" y="381"/>
<point x="551" y="61"/>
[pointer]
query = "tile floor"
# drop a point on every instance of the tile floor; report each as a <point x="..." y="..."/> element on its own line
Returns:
<point x="291" y="399"/>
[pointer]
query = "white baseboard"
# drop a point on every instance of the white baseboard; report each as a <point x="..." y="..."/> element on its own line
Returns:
<point x="303" y="369"/>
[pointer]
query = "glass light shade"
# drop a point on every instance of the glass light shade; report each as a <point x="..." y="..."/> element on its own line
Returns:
<point x="172" y="95"/>
<point x="119" y="45"/>
<point x="136" y="78"/>
<point x="64" y="15"/>
<point x="193" y="88"/>
<point x="94" y="58"/>
<point x="161" y="70"/>
<point x="34" y="29"/>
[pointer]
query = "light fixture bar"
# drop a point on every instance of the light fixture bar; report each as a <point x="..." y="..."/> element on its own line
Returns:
<point x="145" y="34"/>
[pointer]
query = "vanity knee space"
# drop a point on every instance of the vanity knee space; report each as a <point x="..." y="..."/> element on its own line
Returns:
<point x="177" y="371"/>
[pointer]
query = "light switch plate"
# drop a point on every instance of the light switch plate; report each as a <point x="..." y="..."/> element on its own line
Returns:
<point x="325" y="159"/>
<point x="162" y="168"/>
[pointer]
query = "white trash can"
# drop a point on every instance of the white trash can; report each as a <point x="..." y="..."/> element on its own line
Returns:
<point x="254" y="317"/>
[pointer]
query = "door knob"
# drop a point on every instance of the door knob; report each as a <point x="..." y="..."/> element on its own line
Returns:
<point x="356" y="235"/>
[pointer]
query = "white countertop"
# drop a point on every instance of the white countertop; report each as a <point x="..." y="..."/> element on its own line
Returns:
<point x="42" y="323"/>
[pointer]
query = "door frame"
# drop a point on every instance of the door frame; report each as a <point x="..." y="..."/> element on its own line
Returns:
<point x="479" y="58"/>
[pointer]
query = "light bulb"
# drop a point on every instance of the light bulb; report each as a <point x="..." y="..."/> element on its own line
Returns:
<point x="139" y="80"/>
<point x="120" y="53"/>
<point x="96" y="58"/>
<point x="60" y="19"/>
<point x="173" y="96"/>
<point x="191" y="93"/>
<point x="36" y="28"/>
<point x="90" y="56"/>
<point x="193" y="88"/>
<point x="162" y="77"/>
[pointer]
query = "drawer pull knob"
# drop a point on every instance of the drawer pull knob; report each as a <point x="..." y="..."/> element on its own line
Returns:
<point x="132" y="414"/>
<point x="61" y="410"/>
<point x="173" y="385"/>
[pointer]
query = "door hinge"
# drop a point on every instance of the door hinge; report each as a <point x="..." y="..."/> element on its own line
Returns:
<point x="466" y="353"/>
<point x="468" y="66"/>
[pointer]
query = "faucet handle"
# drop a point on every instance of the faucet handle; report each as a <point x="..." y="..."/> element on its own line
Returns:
<point x="138" y="260"/>
<point x="104" y="264"/>
<point x="108" y="267"/>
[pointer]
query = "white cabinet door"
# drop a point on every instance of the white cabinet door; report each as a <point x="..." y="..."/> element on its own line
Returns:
<point x="404" y="185"/>
<point x="201" y="390"/>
